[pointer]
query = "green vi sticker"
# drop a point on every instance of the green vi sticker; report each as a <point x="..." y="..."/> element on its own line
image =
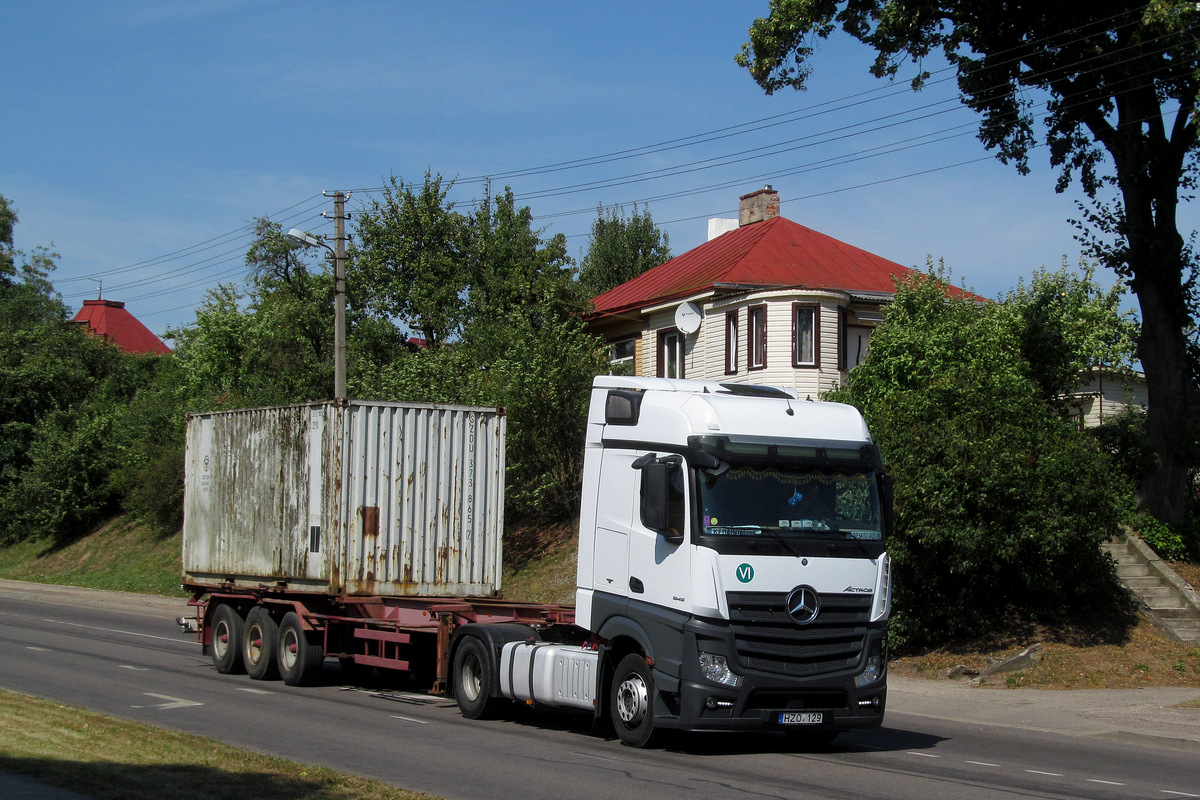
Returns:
<point x="745" y="573"/>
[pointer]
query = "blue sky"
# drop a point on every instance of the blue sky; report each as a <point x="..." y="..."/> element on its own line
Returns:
<point x="142" y="138"/>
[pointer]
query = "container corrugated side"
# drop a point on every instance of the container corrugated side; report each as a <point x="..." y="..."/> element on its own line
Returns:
<point x="425" y="492"/>
<point x="378" y="498"/>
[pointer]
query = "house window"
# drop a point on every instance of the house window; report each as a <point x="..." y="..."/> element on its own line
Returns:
<point x="856" y="343"/>
<point x="621" y="354"/>
<point x="756" y="350"/>
<point x="670" y="354"/>
<point x="731" y="343"/>
<point x="806" y="335"/>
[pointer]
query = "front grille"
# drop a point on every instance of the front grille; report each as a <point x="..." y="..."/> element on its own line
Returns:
<point x="768" y="639"/>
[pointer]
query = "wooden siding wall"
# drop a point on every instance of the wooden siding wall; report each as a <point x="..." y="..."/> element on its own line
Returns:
<point x="704" y="350"/>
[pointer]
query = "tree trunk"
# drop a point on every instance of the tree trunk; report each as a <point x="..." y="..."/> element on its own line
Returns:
<point x="1172" y="400"/>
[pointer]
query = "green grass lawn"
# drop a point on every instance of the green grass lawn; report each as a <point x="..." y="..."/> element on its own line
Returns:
<point x="120" y="556"/>
<point x="118" y="759"/>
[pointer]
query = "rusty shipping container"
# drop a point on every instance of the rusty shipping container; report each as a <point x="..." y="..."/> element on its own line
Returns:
<point x="392" y="499"/>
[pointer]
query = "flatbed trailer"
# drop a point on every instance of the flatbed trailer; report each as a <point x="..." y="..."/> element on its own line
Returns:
<point x="271" y="632"/>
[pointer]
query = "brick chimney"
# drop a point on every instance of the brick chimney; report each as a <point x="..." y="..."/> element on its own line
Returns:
<point x="758" y="206"/>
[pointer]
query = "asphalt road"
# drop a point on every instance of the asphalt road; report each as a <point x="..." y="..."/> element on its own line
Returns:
<point x="124" y="655"/>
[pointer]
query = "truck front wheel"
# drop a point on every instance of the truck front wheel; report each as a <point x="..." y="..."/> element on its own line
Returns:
<point x="631" y="702"/>
<point x="473" y="670"/>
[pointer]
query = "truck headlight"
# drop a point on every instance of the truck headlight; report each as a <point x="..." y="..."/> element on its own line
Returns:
<point x="716" y="669"/>
<point x="872" y="672"/>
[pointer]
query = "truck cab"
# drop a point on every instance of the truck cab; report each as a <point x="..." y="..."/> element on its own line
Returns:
<point x="733" y="559"/>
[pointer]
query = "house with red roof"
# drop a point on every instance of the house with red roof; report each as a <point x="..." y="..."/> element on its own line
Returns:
<point x="767" y="301"/>
<point x="110" y="320"/>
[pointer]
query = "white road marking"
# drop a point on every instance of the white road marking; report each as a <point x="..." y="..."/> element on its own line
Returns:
<point x="253" y="691"/>
<point x="135" y="669"/>
<point x="1106" y="783"/>
<point x="985" y="764"/>
<point x="1178" y="794"/>
<point x="171" y="702"/>
<point x="39" y="649"/>
<point x="118" y="630"/>
<point x="923" y="755"/>
<point x="1039" y="772"/>
<point x="410" y="719"/>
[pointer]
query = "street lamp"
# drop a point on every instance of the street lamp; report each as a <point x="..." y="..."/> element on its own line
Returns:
<point x="305" y="239"/>
<point x="297" y="236"/>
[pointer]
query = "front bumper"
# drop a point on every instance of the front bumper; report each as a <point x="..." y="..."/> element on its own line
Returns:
<point x="763" y="698"/>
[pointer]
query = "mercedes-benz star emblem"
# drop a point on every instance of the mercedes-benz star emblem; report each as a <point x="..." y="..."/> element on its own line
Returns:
<point x="803" y="604"/>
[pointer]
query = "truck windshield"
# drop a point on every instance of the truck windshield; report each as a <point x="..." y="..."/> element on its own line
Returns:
<point x="791" y="503"/>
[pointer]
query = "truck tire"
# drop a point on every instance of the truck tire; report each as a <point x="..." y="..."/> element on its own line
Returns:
<point x="473" y="677"/>
<point x="300" y="660"/>
<point x="226" y="645"/>
<point x="631" y="701"/>
<point x="260" y="639"/>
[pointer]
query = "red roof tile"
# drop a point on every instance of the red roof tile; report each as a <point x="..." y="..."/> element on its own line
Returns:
<point x="110" y="320"/>
<point x="776" y="252"/>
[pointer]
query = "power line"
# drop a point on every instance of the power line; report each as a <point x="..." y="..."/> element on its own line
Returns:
<point x="835" y="134"/>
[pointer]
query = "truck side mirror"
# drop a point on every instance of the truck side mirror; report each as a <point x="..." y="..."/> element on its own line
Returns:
<point x="662" y="502"/>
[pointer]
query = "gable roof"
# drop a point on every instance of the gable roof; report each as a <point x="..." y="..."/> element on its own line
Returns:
<point x="110" y="320"/>
<point x="774" y="253"/>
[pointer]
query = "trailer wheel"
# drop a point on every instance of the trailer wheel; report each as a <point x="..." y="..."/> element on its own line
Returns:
<point x="299" y="659"/>
<point x="259" y="641"/>
<point x="226" y="646"/>
<point x="473" y="671"/>
<point x="631" y="702"/>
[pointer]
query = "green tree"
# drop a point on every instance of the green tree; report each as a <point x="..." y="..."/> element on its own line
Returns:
<point x="520" y="344"/>
<point x="527" y="336"/>
<point x="63" y="394"/>
<point x="620" y="249"/>
<point x="1118" y="82"/>
<point x="305" y="298"/>
<point x="213" y="352"/>
<point x="410" y="250"/>
<point x="1001" y="502"/>
<point x="268" y="343"/>
<point x="8" y="220"/>
<point x="511" y="268"/>
<point x="1070" y="325"/>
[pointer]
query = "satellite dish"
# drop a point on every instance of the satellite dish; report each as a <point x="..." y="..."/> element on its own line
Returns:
<point x="688" y="317"/>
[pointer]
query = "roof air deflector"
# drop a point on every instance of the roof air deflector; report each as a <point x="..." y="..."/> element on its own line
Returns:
<point x="755" y="390"/>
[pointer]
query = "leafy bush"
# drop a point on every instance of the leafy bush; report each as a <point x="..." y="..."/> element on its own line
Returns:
<point x="1125" y="438"/>
<point x="1163" y="540"/>
<point x="1001" y="502"/>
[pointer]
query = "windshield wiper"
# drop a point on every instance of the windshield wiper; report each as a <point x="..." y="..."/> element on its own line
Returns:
<point x="848" y="538"/>
<point x="777" y="536"/>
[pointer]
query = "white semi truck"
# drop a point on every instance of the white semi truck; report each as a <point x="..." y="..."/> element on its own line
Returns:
<point x="732" y="574"/>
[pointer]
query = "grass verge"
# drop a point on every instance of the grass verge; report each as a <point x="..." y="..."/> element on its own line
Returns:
<point x="543" y="570"/>
<point x="1144" y="657"/>
<point x="120" y="556"/>
<point x="107" y="757"/>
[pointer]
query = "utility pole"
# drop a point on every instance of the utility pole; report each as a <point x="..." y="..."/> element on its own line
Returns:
<point x="339" y="291"/>
<point x="304" y="239"/>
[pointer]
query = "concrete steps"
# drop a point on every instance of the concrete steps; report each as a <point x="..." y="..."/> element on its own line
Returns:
<point x="1164" y="596"/>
